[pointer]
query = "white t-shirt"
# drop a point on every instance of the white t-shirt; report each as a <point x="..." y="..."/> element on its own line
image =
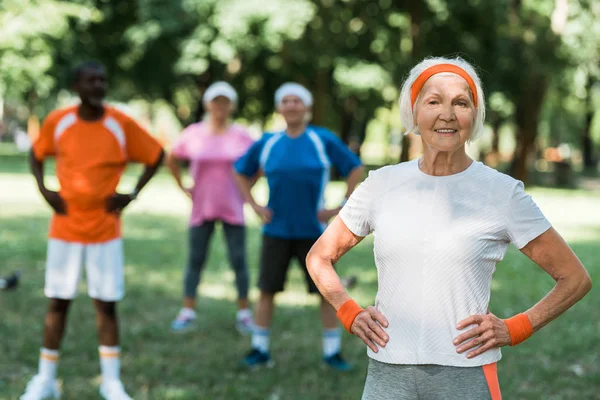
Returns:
<point x="437" y="242"/>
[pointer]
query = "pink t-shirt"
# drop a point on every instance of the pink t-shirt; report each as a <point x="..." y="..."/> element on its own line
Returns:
<point x="215" y="195"/>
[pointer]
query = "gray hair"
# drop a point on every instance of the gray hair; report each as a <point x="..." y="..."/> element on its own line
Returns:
<point x="407" y="110"/>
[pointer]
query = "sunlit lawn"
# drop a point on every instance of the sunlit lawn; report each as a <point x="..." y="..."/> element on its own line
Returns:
<point x="560" y="362"/>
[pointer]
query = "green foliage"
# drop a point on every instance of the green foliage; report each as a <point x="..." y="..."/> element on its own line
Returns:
<point x="28" y="31"/>
<point x="351" y="54"/>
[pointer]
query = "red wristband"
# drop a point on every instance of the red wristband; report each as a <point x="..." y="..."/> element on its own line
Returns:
<point x="347" y="313"/>
<point x="519" y="328"/>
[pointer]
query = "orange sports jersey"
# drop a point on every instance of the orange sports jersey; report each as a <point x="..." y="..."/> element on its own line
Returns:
<point x="90" y="158"/>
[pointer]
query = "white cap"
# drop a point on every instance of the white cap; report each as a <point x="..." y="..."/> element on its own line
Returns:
<point x="220" y="89"/>
<point x="295" y="89"/>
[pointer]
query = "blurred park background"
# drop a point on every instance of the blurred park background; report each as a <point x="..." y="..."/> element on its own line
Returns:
<point x="540" y="64"/>
<point x="539" y="61"/>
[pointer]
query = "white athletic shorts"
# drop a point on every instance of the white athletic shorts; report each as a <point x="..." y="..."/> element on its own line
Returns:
<point x="103" y="265"/>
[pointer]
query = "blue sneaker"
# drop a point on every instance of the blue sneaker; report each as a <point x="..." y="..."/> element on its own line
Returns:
<point x="257" y="358"/>
<point x="183" y="322"/>
<point x="337" y="362"/>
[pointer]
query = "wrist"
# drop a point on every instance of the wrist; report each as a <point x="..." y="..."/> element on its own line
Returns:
<point x="519" y="328"/>
<point x="347" y="313"/>
<point x="134" y="194"/>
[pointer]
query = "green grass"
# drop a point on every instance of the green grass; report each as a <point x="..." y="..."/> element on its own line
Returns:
<point x="559" y="362"/>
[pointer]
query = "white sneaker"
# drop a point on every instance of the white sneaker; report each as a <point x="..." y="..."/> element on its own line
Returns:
<point x="40" y="388"/>
<point x="113" y="390"/>
<point x="184" y="321"/>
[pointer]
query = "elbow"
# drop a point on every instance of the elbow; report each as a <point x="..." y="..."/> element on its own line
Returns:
<point x="583" y="284"/>
<point x="310" y="259"/>
<point x="586" y="284"/>
<point x="358" y="171"/>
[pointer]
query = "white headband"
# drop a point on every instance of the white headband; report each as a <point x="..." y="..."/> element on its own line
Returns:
<point x="293" y="89"/>
<point x="220" y="89"/>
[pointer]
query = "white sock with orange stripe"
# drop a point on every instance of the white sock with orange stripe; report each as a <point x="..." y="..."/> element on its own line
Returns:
<point x="48" y="363"/>
<point x="110" y="363"/>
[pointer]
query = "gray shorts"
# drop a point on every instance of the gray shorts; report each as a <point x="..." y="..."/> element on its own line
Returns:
<point x="430" y="382"/>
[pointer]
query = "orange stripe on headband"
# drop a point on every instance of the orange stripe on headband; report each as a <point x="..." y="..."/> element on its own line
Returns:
<point x="436" y="69"/>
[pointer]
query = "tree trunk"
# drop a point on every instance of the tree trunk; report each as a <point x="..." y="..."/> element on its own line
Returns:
<point x="528" y="107"/>
<point x="589" y="161"/>
<point x="320" y="97"/>
<point x="347" y="118"/>
<point x="496" y="123"/>
<point x="353" y="124"/>
<point x="414" y="10"/>
<point x="404" y="152"/>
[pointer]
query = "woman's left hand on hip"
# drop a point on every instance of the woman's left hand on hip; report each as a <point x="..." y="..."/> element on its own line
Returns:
<point x="490" y="332"/>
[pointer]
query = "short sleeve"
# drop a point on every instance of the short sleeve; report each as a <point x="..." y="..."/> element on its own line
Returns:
<point x="44" y="146"/>
<point x="180" y="148"/>
<point x="340" y="155"/>
<point x="357" y="212"/>
<point x="525" y="220"/>
<point x="249" y="163"/>
<point x="141" y="147"/>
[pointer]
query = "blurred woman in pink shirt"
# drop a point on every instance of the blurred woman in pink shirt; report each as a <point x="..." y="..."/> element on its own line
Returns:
<point x="212" y="146"/>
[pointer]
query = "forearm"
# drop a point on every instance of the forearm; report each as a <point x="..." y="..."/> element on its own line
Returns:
<point x="149" y="172"/>
<point x="37" y="169"/>
<point x="244" y="185"/>
<point x="565" y="293"/>
<point x="173" y="166"/>
<point x="327" y="280"/>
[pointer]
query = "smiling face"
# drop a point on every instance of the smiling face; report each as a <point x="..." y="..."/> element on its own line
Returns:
<point x="444" y="112"/>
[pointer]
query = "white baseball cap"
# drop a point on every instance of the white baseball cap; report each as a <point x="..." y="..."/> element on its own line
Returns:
<point x="217" y="89"/>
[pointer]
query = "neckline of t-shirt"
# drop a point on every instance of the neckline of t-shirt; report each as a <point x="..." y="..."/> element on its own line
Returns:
<point x="96" y="121"/>
<point x="229" y="131"/>
<point x="284" y="133"/>
<point x="460" y="174"/>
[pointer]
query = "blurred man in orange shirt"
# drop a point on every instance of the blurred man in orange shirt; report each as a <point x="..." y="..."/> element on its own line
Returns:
<point x="92" y="143"/>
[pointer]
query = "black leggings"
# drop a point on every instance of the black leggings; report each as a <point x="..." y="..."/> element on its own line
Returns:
<point x="199" y="240"/>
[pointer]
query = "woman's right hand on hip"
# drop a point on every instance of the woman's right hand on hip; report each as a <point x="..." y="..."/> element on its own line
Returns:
<point x="368" y="326"/>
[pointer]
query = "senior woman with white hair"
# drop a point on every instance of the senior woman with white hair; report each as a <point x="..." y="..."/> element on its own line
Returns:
<point x="441" y="223"/>
<point x="296" y="163"/>
<point x="212" y="146"/>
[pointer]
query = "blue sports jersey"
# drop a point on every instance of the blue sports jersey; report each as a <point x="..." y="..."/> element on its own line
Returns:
<point x="297" y="171"/>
